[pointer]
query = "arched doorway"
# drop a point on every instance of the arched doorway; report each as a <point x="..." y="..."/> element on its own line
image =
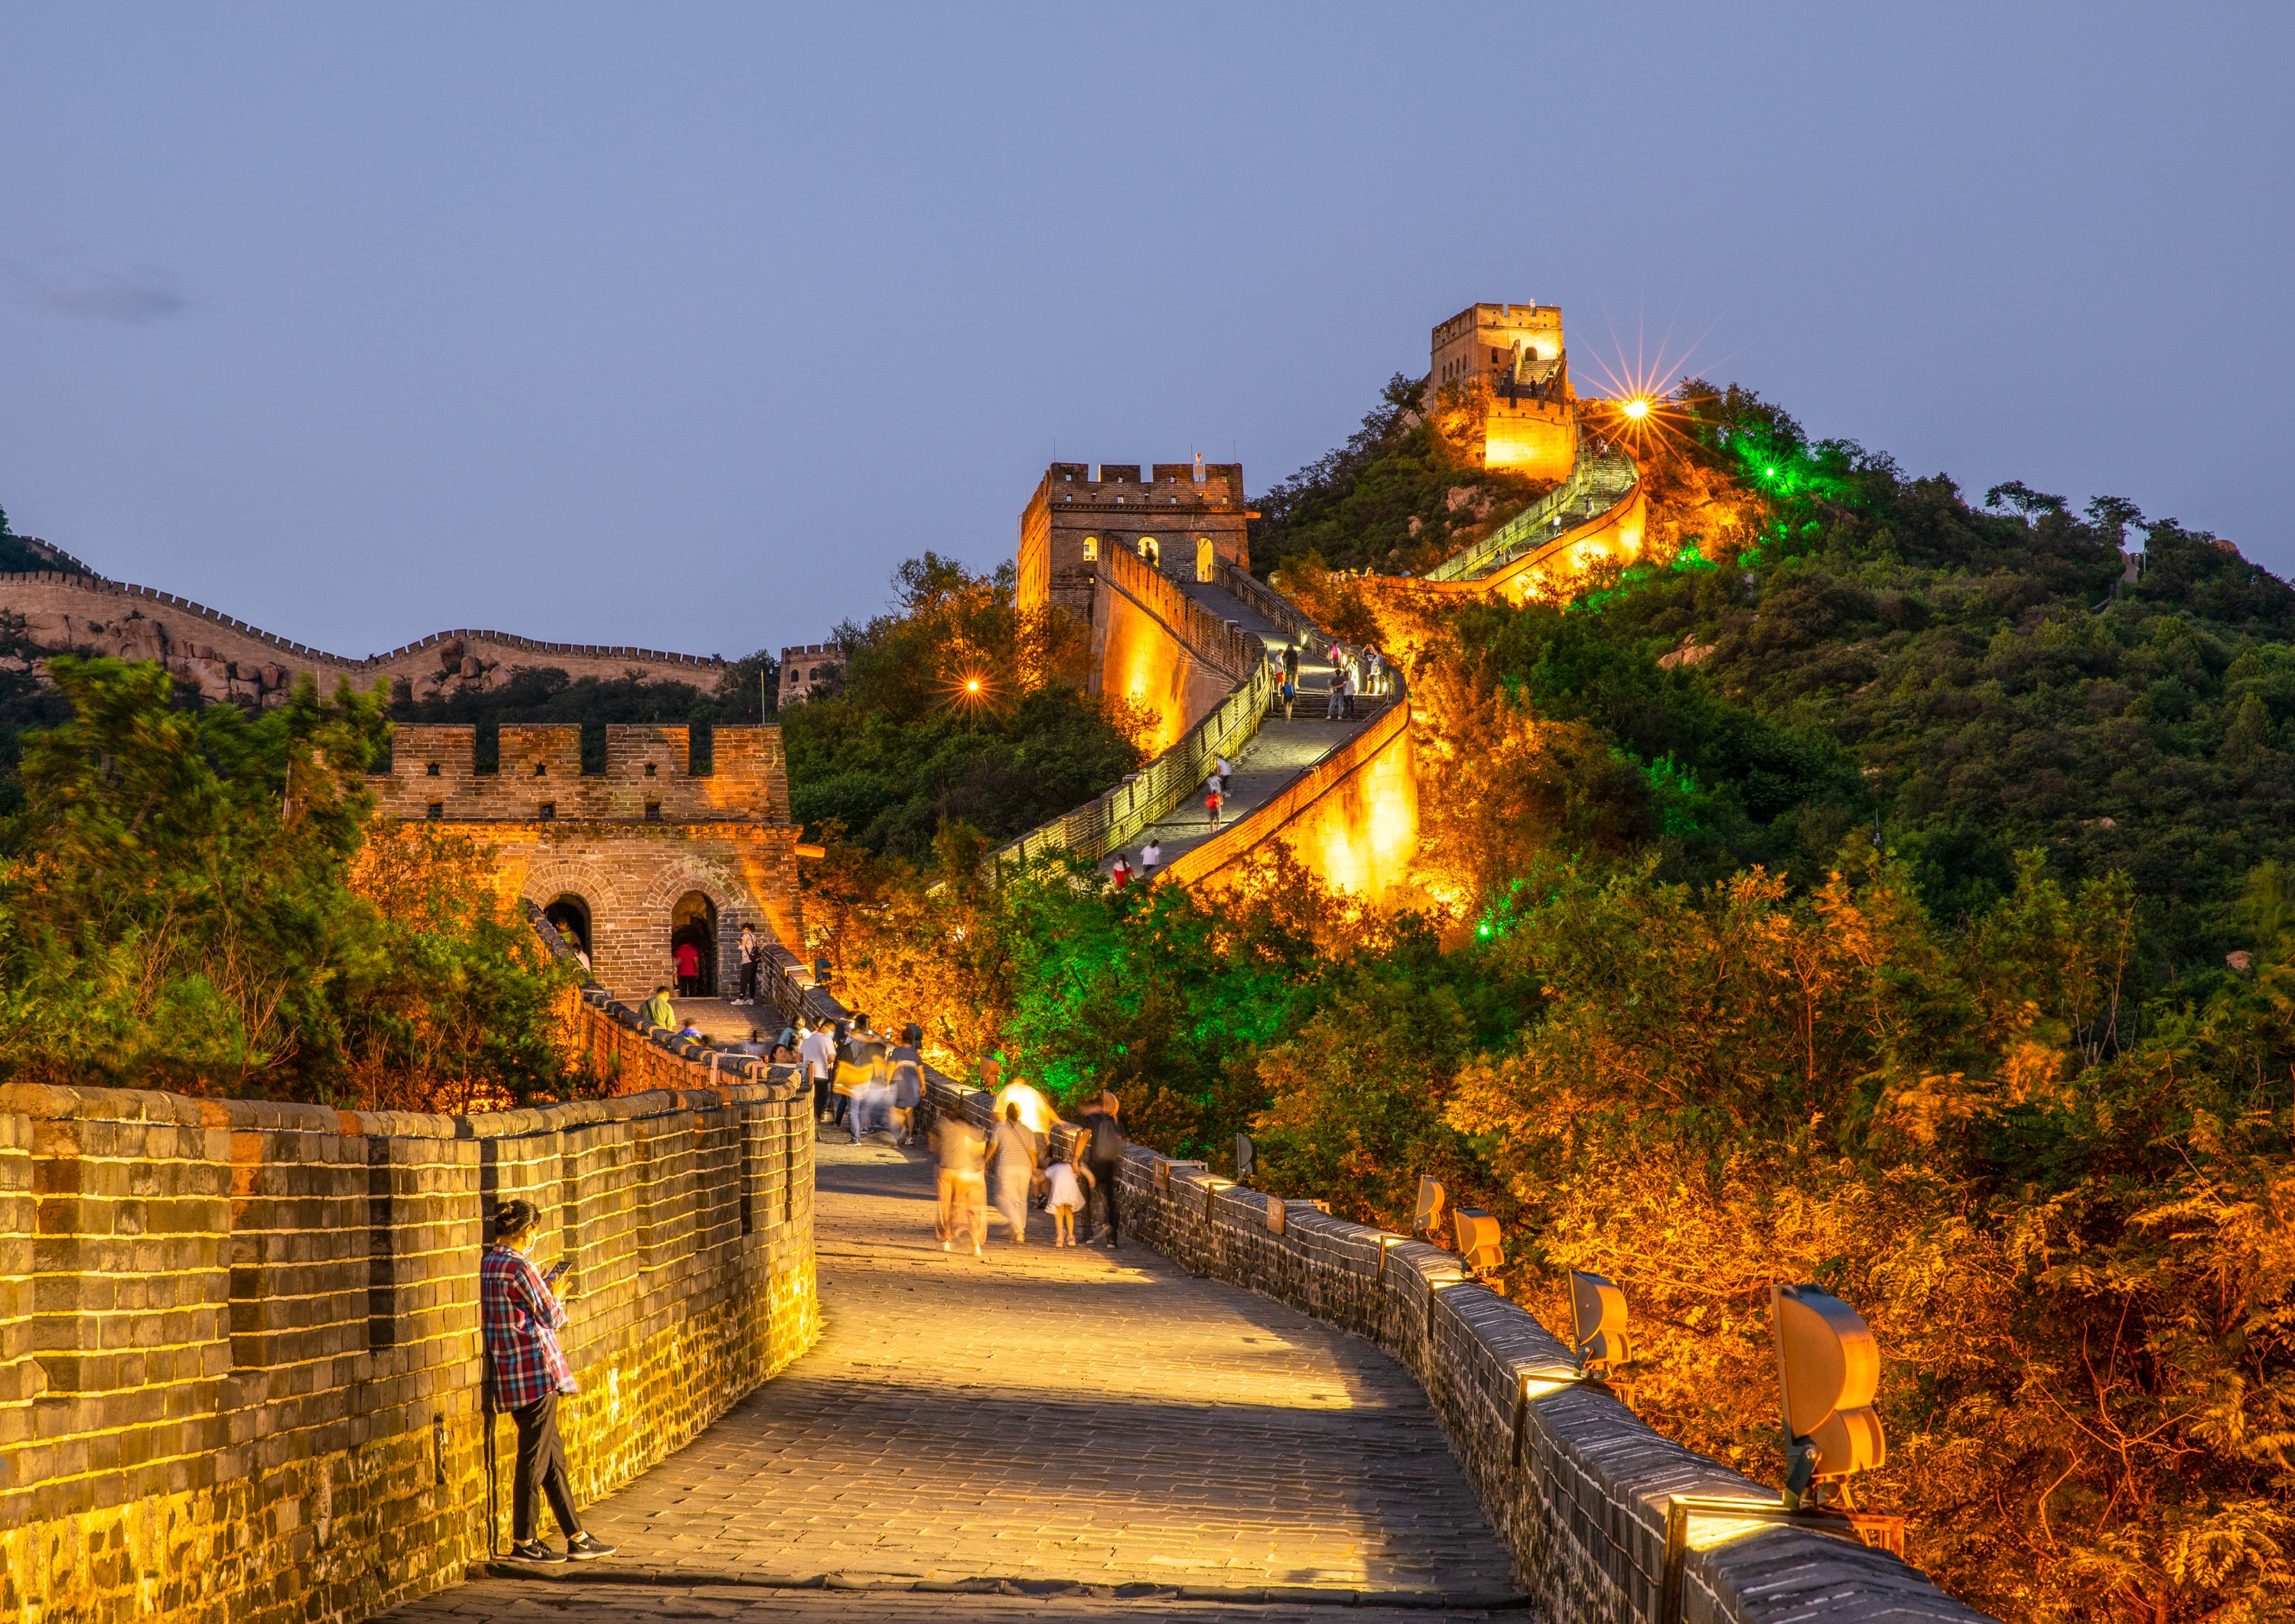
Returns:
<point x="1150" y="552"/>
<point x="695" y="920"/>
<point x="1206" y="560"/>
<point x="570" y="916"/>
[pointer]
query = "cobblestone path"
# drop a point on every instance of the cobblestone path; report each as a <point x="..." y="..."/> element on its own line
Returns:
<point x="1108" y="1437"/>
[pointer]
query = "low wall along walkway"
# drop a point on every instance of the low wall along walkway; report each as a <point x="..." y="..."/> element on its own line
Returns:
<point x="240" y="1358"/>
<point x="1575" y="1482"/>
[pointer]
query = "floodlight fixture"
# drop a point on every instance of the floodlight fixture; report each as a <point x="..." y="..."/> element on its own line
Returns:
<point x="1828" y="1369"/>
<point x="1638" y="408"/>
<point x="1246" y="1156"/>
<point x="1477" y="1235"/>
<point x="1597" y="1324"/>
<point x="1428" y="1215"/>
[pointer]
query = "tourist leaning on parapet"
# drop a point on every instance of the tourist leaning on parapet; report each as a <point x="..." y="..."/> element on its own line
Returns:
<point x="526" y="1371"/>
<point x="659" y="1011"/>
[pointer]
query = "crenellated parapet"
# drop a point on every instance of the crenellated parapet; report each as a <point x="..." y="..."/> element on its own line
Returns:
<point x="647" y="775"/>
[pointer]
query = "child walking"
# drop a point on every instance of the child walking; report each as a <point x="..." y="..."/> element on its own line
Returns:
<point x="1071" y="1188"/>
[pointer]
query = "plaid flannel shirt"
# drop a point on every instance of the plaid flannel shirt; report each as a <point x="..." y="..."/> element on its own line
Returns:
<point x="521" y="1316"/>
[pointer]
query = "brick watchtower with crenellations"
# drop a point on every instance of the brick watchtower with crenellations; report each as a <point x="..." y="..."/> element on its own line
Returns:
<point x="1508" y="362"/>
<point x="666" y="844"/>
<point x="1182" y="515"/>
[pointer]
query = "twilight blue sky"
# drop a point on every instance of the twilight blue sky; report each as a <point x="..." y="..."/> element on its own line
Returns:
<point x="682" y="325"/>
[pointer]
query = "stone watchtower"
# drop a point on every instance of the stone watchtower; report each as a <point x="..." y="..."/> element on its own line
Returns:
<point x="1508" y="360"/>
<point x="1181" y="518"/>
<point x="663" y="844"/>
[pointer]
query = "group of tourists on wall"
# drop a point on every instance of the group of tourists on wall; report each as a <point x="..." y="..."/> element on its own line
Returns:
<point x="1018" y="1152"/>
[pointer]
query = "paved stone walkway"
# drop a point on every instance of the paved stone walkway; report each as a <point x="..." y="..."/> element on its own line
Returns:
<point x="1099" y="1425"/>
<point x="1278" y="753"/>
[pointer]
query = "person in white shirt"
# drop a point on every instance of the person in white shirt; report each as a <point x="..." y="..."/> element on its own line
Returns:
<point x="818" y="1051"/>
<point x="1151" y="858"/>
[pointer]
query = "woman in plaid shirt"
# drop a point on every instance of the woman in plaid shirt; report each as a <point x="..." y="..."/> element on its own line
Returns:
<point x="526" y="1371"/>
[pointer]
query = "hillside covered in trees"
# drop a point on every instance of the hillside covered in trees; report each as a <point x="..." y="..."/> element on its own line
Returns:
<point x="1869" y="886"/>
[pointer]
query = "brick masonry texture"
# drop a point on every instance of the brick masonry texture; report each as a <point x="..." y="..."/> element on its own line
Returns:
<point x="240" y="1360"/>
<point x="625" y="845"/>
<point x="1575" y="1482"/>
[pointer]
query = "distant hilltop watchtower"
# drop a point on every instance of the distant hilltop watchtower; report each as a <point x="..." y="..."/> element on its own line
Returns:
<point x="1508" y="361"/>
<point x="1179" y="519"/>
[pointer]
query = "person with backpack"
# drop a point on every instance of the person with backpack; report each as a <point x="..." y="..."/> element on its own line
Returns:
<point x="520" y="1316"/>
<point x="1103" y="1155"/>
<point x="658" y="1011"/>
<point x="752" y="951"/>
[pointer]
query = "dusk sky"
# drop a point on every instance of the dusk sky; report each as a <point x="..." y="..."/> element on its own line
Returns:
<point x="682" y="325"/>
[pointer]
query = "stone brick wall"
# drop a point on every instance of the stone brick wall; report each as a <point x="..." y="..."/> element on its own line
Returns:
<point x="1156" y="647"/>
<point x="622" y="846"/>
<point x="1112" y="506"/>
<point x="1571" y="1478"/>
<point x="240" y="1359"/>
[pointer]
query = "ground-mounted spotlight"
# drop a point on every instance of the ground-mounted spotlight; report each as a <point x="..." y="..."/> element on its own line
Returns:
<point x="1477" y="1235"/>
<point x="1597" y="1324"/>
<point x="1246" y="1156"/>
<point x="1828" y="1369"/>
<point x="1427" y="1217"/>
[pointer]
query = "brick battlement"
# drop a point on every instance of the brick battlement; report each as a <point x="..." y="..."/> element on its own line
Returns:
<point x="648" y="778"/>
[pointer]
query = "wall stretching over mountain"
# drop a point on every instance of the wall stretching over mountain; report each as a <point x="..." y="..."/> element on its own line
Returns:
<point x="229" y="659"/>
<point x="239" y="1366"/>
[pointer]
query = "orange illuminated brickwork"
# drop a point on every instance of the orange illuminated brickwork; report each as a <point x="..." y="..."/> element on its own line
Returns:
<point x="1082" y="510"/>
<point x="240" y="1368"/>
<point x="1506" y="364"/>
<point x="629" y="859"/>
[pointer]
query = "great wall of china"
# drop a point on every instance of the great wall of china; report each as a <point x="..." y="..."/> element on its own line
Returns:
<point x="238" y="1341"/>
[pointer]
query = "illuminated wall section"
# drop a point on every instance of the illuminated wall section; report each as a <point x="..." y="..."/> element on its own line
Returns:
<point x="1351" y="819"/>
<point x="1542" y="441"/>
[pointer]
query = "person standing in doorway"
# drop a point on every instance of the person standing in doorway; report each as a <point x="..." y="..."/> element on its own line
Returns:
<point x="686" y="959"/>
<point x="526" y="1371"/>
<point x="1104" y="1155"/>
<point x="752" y="951"/>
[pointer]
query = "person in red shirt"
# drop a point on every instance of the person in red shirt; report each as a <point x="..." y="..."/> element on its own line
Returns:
<point x="526" y="1371"/>
<point x="688" y="960"/>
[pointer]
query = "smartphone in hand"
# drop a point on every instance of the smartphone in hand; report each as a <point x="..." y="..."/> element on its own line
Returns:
<point x="556" y="1269"/>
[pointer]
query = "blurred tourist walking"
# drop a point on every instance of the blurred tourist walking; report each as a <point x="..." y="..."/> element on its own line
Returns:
<point x="1103" y="1155"/>
<point x="1016" y="1169"/>
<point x="960" y="1150"/>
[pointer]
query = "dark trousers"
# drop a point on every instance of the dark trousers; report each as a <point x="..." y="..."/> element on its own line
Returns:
<point x="541" y="1463"/>
<point x="825" y="1099"/>
<point x="1103" y="1180"/>
<point x="750" y="981"/>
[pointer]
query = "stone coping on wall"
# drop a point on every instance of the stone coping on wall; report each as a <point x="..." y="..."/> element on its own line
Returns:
<point x="1577" y="1484"/>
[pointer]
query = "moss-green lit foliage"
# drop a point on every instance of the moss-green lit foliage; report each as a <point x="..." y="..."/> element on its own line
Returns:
<point x="180" y="907"/>
<point x="899" y="745"/>
<point x="1354" y="509"/>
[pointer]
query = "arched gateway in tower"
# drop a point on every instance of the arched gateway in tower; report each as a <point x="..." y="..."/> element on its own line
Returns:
<point x="633" y="857"/>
